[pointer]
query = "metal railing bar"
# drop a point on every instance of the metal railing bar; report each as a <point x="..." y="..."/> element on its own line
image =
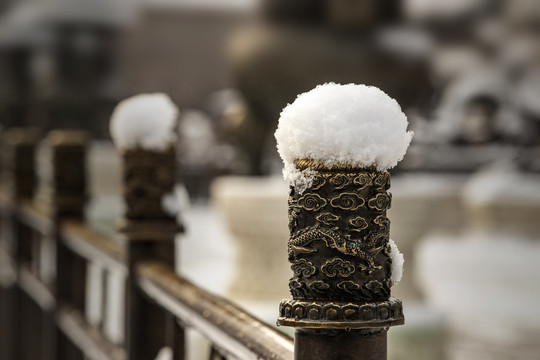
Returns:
<point x="37" y="218"/>
<point x="87" y="338"/>
<point x="227" y="326"/>
<point x="93" y="245"/>
<point x="8" y="275"/>
<point x="6" y="204"/>
<point x="34" y="288"/>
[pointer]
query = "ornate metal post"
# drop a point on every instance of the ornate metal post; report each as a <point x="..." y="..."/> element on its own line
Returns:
<point x="340" y="255"/>
<point x="150" y="232"/>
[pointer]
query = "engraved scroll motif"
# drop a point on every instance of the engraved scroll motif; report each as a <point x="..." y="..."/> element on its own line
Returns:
<point x="335" y="214"/>
<point x="339" y="250"/>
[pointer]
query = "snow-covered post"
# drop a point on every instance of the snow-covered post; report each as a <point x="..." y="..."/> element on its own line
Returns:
<point x="65" y="185"/>
<point x="143" y="129"/>
<point x="337" y="143"/>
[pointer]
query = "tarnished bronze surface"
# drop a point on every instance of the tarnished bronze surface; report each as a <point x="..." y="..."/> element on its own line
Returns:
<point x="148" y="176"/>
<point x="339" y="251"/>
<point x="327" y="344"/>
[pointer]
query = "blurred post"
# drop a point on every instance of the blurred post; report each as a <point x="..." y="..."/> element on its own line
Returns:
<point x="150" y="233"/>
<point x="340" y="254"/>
<point x="18" y="178"/>
<point x="19" y="146"/>
<point x="66" y="186"/>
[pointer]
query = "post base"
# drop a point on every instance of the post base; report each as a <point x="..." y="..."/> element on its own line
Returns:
<point x="340" y="315"/>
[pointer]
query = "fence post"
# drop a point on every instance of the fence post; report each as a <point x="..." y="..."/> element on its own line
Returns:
<point x="19" y="172"/>
<point x="341" y="305"/>
<point x="67" y="194"/>
<point x="337" y="143"/>
<point x="149" y="233"/>
<point x="19" y="179"/>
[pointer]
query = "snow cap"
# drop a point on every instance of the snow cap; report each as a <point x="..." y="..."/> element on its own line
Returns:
<point x="146" y="120"/>
<point x="336" y="124"/>
<point x="397" y="263"/>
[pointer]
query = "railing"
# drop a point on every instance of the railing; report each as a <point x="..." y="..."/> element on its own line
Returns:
<point x="48" y="256"/>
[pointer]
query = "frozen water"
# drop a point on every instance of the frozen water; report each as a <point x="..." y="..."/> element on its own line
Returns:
<point x="175" y="202"/>
<point x="503" y="183"/>
<point x="397" y="263"/>
<point x="342" y="124"/>
<point x="146" y="120"/>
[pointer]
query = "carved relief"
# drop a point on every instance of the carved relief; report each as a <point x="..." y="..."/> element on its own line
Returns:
<point x="382" y="181"/>
<point x="303" y="268"/>
<point x="347" y="201"/>
<point x="337" y="266"/>
<point x="389" y="312"/>
<point x="363" y="181"/>
<point x="383" y="222"/>
<point x="381" y="202"/>
<point x="339" y="248"/>
<point x="332" y="239"/>
<point x="319" y="287"/>
<point x="318" y="182"/>
<point x="328" y="219"/>
<point x="349" y="286"/>
<point x="311" y="202"/>
<point x="340" y="181"/>
<point x="358" y="223"/>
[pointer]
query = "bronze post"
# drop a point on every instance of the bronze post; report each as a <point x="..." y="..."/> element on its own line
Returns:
<point x="341" y="305"/>
<point x="149" y="233"/>
<point x="66" y="186"/>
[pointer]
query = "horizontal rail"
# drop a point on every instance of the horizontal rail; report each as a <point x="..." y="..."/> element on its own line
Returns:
<point x="6" y="203"/>
<point x="93" y="246"/>
<point x="34" y="288"/>
<point x="227" y="326"/>
<point x="87" y="338"/>
<point x="36" y="217"/>
<point x="8" y="276"/>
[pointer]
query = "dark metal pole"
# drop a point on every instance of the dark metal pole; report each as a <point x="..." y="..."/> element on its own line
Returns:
<point x="19" y="179"/>
<point x="67" y="190"/>
<point x="340" y="255"/>
<point x="149" y="232"/>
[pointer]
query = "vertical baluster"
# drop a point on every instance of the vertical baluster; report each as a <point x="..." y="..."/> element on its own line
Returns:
<point x="216" y="355"/>
<point x="150" y="233"/>
<point x="67" y="185"/>
<point x="179" y="346"/>
<point x="19" y="177"/>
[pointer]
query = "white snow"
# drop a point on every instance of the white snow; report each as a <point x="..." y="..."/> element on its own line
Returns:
<point x="337" y="124"/>
<point x="165" y="353"/>
<point x="175" y="202"/>
<point x="502" y="183"/>
<point x="397" y="263"/>
<point x="146" y="120"/>
<point x="424" y="9"/>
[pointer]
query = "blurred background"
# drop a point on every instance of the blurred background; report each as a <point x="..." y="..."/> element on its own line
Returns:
<point x="466" y="198"/>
